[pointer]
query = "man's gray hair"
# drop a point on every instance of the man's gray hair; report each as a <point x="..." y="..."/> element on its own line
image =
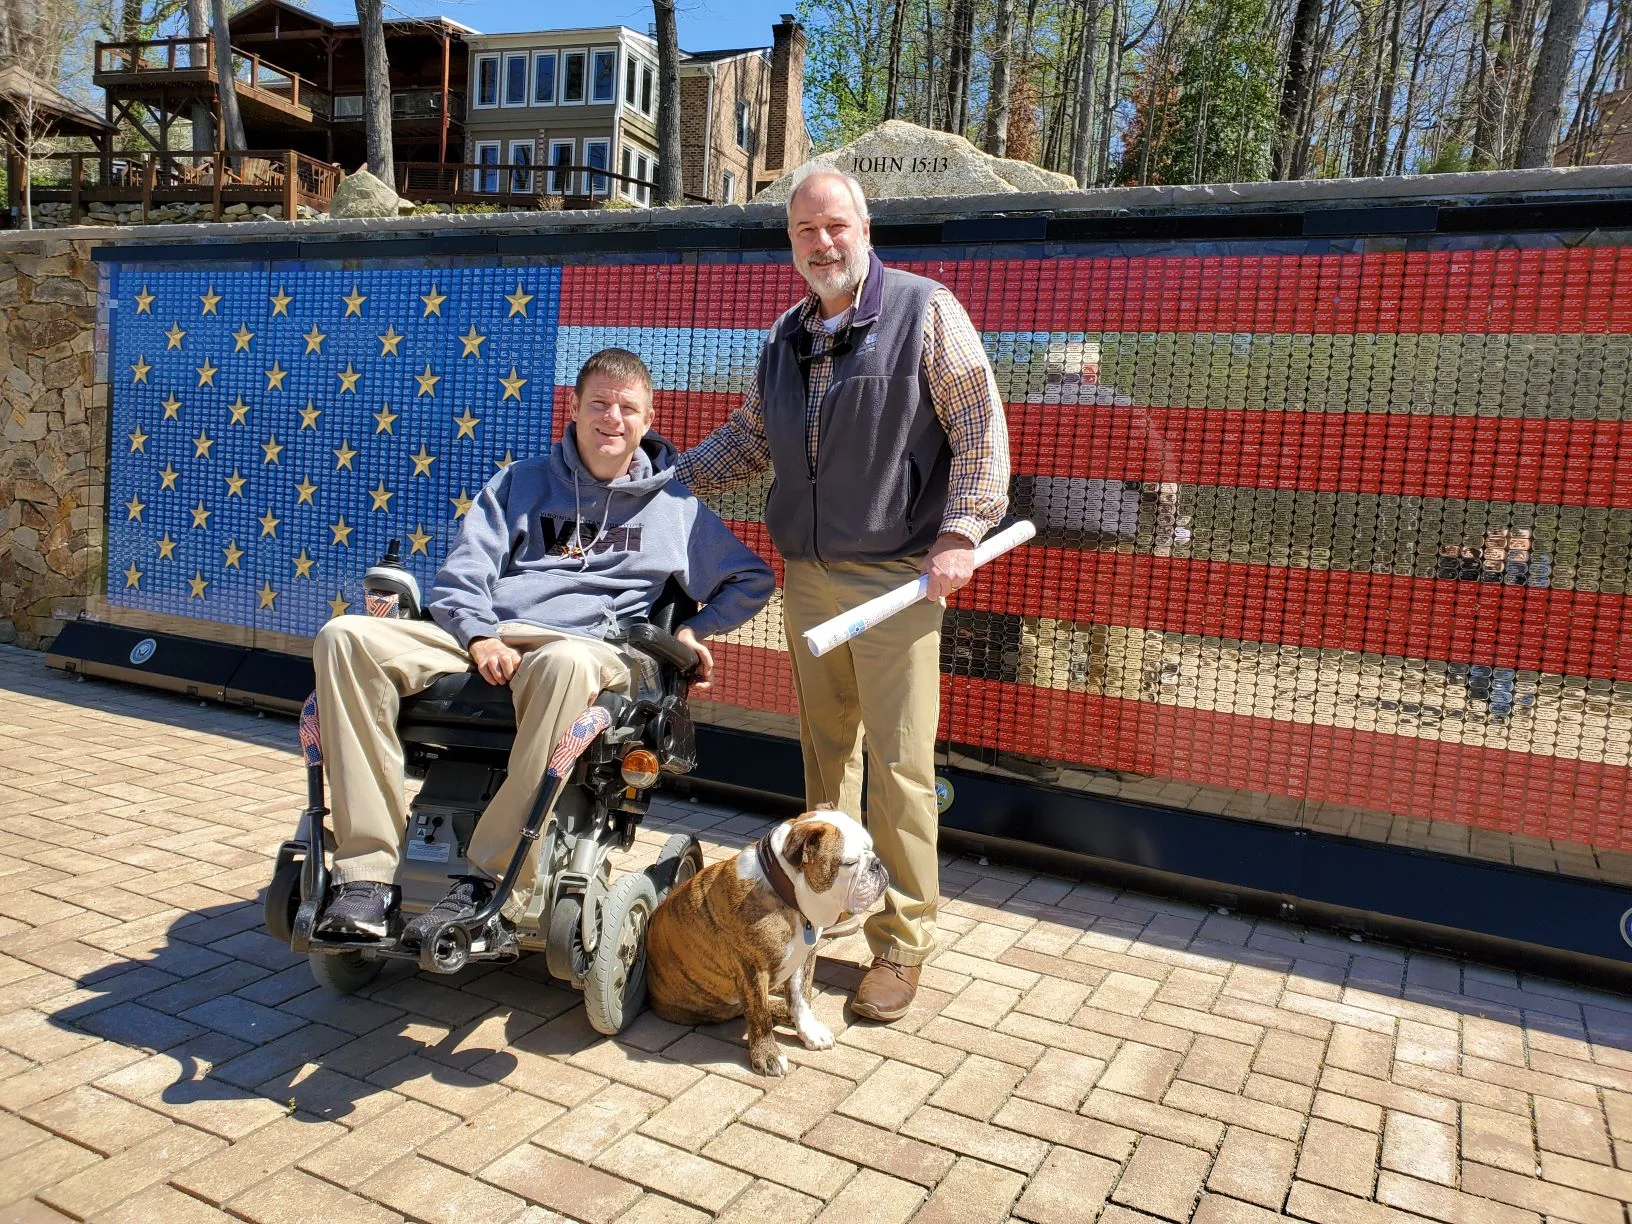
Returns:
<point x="815" y="169"/>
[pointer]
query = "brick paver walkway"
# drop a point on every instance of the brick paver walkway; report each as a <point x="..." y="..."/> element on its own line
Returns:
<point x="1078" y="1052"/>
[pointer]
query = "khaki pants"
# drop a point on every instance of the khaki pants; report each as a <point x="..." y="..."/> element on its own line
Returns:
<point x="365" y="664"/>
<point x="887" y="681"/>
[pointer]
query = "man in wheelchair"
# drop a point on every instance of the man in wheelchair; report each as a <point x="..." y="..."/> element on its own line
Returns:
<point x="552" y="555"/>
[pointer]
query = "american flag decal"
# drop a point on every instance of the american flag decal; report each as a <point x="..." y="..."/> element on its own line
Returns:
<point x="571" y="746"/>
<point x="382" y="605"/>
<point x="311" y="742"/>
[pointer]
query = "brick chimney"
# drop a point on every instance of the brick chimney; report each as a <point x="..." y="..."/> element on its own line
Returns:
<point x="786" y="119"/>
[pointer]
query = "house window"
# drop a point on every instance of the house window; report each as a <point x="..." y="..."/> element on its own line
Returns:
<point x="627" y="189"/>
<point x="643" y="171"/>
<point x="597" y="153"/>
<point x="646" y="89"/>
<point x="487" y="154"/>
<point x="631" y="81"/>
<point x="487" y="80"/>
<point x="515" y="79"/>
<point x="560" y="155"/>
<point x="604" y="77"/>
<point x="521" y="157"/>
<point x="728" y="188"/>
<point x="572" y="76"/>
<point x="543" y="78"/>
<point x="743" y="134"/>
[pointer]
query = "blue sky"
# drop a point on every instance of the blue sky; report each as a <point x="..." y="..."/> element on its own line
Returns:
<point x="704" y="24"/>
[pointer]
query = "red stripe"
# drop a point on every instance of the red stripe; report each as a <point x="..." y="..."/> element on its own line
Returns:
<point x="1585" y="289"/>
<point x="1487" y="788"/>
<point x="1584" y="463"/>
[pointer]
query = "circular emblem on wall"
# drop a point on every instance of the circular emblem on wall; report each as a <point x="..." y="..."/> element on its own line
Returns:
<point x="1626" y="928"/>
<point x="945" y="795"/>
<point x="143" y="651"/>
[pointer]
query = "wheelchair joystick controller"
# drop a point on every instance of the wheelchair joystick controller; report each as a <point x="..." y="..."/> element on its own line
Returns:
<point x="388" y="581"/>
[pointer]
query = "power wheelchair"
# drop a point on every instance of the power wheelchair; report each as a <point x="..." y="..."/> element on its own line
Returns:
<point x="456" y="736"/>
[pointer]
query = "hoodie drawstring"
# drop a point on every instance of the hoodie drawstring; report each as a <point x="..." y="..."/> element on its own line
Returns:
<point x="578" y="521"/>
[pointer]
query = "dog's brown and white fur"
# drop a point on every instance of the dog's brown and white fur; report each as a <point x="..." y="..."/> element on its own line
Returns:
<point x="724" y="940"/>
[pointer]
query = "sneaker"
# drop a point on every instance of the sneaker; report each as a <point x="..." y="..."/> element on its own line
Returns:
<point x="362" y="909"/>
<point x="468" y="894"/>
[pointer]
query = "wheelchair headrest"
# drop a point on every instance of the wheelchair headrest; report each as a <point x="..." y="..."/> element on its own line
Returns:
<point x="672" y="608"/>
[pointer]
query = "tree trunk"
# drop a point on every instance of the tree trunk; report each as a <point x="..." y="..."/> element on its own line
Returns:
<point x="892" y="89"/>
<point x="1300" y="71"/>
<point x="960" y="63"/>
<point x="198" y="26"/>
<point x="1552" y="73"/>
<point x="1493" y="78"/>
<point x="929" y="64"/>
<point x="232" y="123"/>
<point x="997" y="103"/>
<point x="1577" y="138"/>
<point x="376" y="91"/>
<point x="1114" y="51"/>
<point x="1384" y="125"/>
<point x="1083" y="137"/>
<point x="669" y="179"/>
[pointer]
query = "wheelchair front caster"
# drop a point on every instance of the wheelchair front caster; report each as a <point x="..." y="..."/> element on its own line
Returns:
<point x="615" y="986"/>
<point x="345" y="972"/>
<point x="282" y="900"/>
<point x="679" y="860"/>
<point x="564" y="954"/>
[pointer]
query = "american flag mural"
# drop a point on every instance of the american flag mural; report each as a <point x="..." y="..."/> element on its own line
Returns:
<point x="1329" y="532"/>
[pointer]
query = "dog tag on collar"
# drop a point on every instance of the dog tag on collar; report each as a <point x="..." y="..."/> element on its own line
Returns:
<point x="810" y="931"/>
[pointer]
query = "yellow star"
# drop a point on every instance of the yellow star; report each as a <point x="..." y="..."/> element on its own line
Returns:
<point x="280" y="303"/>
<point x="235" y="484"/>
<point x="305" y="488"/>
<point x="239" y="410"/>
<point x="512" y="386"/>
<point x="467" y="425"/>
<point x="133" y="577"/>
<point x="241" y="338"/>
<point x="135" y="505"/>
<point x="472" y="343"/>
<point x="138" y="440"/>
<point x="171" y="407"/>
<point x="382" y="497"/>
<point x="269" y="523"/>
<point x="518" y="301"/>
<point x="354" y="302"/>
<point x="389" y="342"/>
<point x="138" y="372"/>
<point x="461" y="504"/>
<point x="201" y="516"/>
<point x="198" y="583"/>
<point x="271" y="449"/>
<point x="309" y="415"/>
<point x="342" y="533"/>
<point x="167" y="478"/>
<point x="303" y="565"/>
<point x="427" y="382"/>
<point x="174" y="336"/>
<point x="422" y="461"/>
<point x="209" y="299"/>
<point x="314" y="340"/>
<point x="275" y="377"/>
<point x="338" y="605"/>
<point x="420" y="539"/>
<point x="383" y="419"/>
<point x="202" y="444"/>
<point x="269" y="597"/>
<point x="508" y="459"/>
<point x="344" y="456"/>
<point x="433" y="302"/>
<point x="144" y="301"/>
<point x="167" y="547"/>
<point x="206" y="373"/>
<point x="232" y="553"/>
<point x="348" y="379"/>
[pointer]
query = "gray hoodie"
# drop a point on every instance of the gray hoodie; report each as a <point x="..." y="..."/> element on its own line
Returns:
<point x="546" y="542"/>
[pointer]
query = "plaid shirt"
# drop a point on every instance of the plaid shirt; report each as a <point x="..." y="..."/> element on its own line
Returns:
<point x="962" y="392"/>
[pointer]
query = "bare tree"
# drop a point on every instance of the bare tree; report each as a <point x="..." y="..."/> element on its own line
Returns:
<point x="669" y="190"/>
<point x="232" y="122"/>
<point x="1082" y="139"/>
<point x="1552" y="75"/>
<point x="198" y="26"/>
<point x="892" y="88"/>
<point x="33" y="36"/>
<point x="376" y="91"/>
<point x="997" y="103"/>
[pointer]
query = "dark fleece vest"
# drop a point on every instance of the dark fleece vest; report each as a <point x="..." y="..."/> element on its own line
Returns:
<point x="878" y="488"/>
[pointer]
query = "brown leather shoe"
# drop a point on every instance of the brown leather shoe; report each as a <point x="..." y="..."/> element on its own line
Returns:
<point x="886" y="991"/>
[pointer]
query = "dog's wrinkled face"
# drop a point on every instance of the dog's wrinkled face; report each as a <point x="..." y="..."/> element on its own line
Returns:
<point x="830" y="859"/>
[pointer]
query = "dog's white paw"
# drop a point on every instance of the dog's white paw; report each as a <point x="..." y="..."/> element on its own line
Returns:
<point x="766" y="1059"/>
<point x="815" y="1035"/>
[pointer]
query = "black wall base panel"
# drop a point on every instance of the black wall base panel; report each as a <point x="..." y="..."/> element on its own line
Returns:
<point x="1556" y="924"/>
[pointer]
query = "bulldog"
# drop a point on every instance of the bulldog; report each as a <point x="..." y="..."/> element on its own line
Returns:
<point x="737" y="930"/>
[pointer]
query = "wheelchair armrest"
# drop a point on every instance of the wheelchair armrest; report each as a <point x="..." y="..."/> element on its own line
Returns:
<point x="664" y="647"/>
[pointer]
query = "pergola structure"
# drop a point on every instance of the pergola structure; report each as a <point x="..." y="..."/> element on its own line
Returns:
<point x="55" y="115"/>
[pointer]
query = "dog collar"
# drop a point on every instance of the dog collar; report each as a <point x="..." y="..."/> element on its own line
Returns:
<point x="770" y="864"/>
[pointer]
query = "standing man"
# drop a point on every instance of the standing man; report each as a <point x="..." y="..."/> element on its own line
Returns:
<point x="875" y="408"/>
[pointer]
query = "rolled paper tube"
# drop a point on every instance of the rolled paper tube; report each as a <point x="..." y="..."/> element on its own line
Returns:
<point x="840" y="629"/>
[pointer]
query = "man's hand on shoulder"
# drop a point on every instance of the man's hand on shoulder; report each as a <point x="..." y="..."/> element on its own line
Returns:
<point x="494" y="660"/>
<point x="705" y="660"/>
<point x="950" y="564"/>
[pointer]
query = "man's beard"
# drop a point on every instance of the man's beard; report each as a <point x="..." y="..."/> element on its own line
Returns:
<point x="834" y="279"/>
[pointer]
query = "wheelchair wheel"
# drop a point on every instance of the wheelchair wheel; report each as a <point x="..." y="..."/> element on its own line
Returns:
<point x="679" y="860"/>
<point x="615" y="987"/>
<point x="345" y="972"/>
<point x="564" y="954"/>
<point x="282" y="899"/>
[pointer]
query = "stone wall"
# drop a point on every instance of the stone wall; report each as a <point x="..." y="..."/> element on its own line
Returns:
<point x="53" y="425"/>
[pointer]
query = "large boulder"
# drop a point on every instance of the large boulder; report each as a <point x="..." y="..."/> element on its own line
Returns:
<point x="902" y="159"/>
<point x="363" y="195"/>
